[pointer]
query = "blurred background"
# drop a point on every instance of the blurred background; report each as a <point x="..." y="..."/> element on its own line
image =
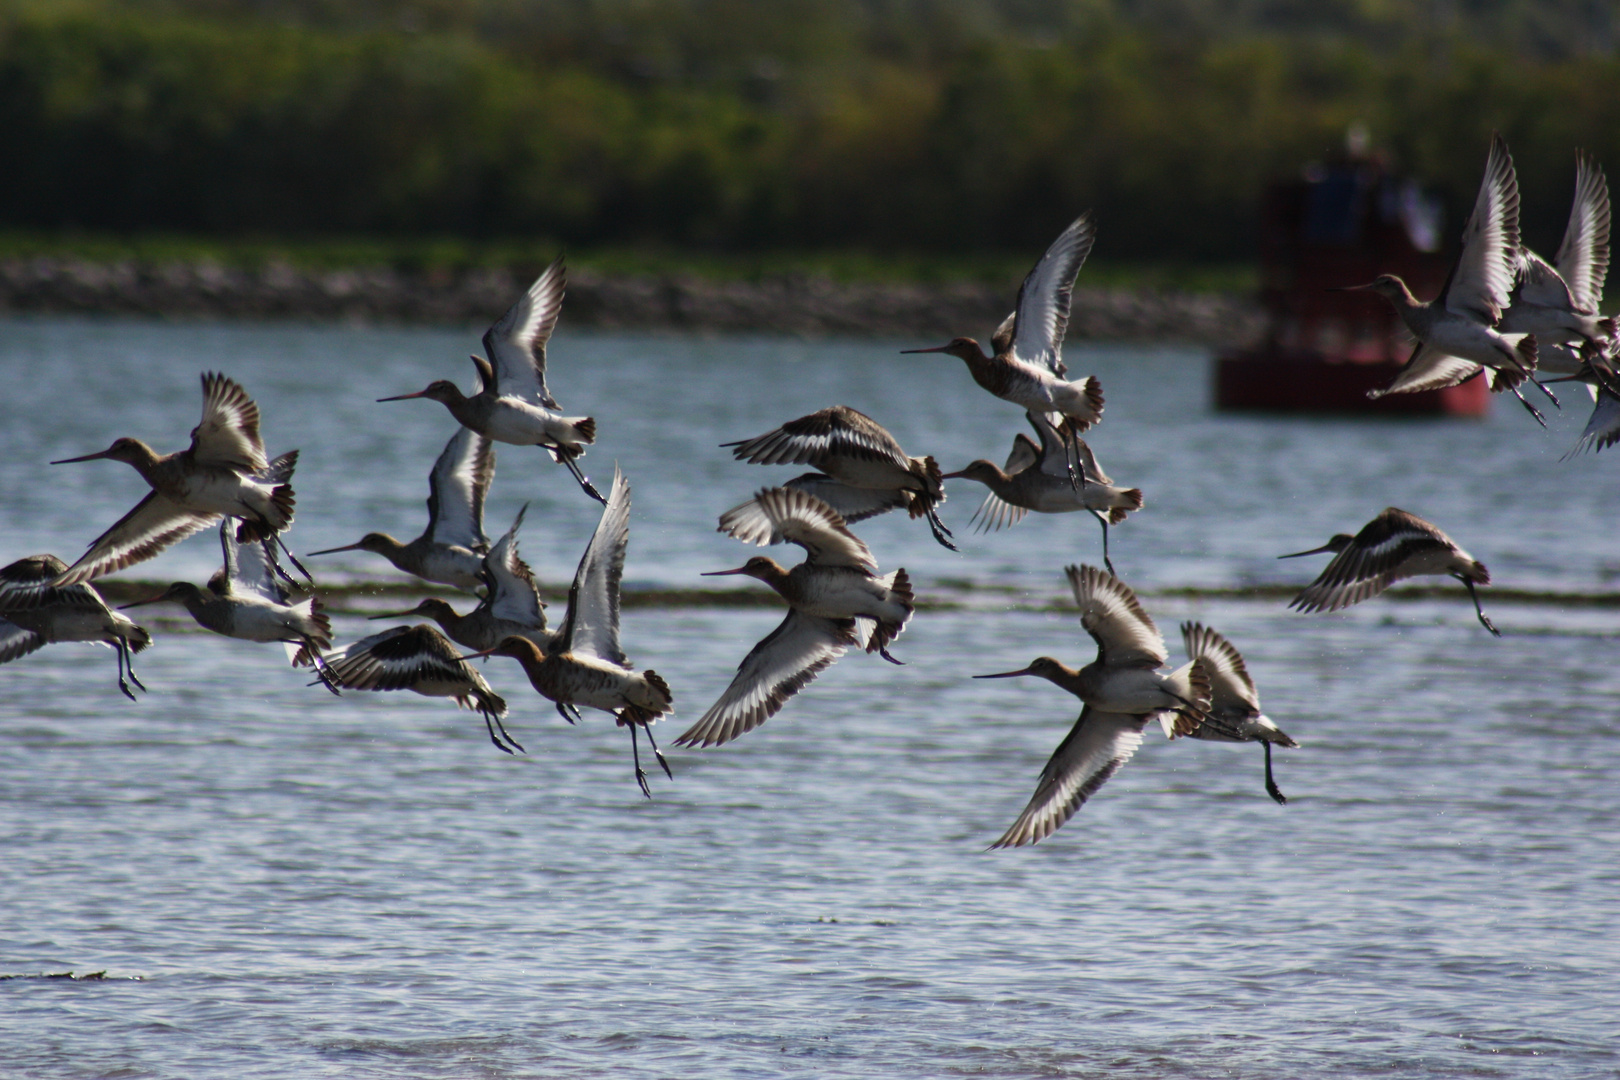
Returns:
<point x="911" y="138"/>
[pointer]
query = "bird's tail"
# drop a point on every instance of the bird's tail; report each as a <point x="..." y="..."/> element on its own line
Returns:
<point x="899" y="586"/>
<point x="1130" y="499"/>
<point x="928" y="470"/>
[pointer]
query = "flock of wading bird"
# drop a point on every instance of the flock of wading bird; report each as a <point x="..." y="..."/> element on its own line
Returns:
<point x="1500" y="300"/>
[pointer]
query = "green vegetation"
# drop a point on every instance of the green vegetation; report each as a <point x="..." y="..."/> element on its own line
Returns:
<point x="859" y="139"/>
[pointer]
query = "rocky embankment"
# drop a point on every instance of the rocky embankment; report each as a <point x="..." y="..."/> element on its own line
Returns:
<point x="789" y="304"/>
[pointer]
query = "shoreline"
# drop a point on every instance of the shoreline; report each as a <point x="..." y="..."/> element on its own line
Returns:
<point x="793" y="304"/>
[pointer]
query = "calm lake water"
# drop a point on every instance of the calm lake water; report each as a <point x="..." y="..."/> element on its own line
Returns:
<point x="279" y="883"/>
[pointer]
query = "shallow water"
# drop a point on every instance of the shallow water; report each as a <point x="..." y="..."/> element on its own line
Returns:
<point x="279" y="883"/>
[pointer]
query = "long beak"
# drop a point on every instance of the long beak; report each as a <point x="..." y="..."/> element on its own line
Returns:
<point x="1313" y="551"/>
<point x="1005" y="674"/>
<point x="1348" y="288"/>
<point x="942" y="348"/>
<point x="953" y="475"/>
<point x="723" y="573"/>
<point x="404" y="397"/>
<point x="391" y="615"/>
<point x="328" y="551"/>
<point x="158" y="599"/>
<point x="87" y="457"/>
<point x="476" y="655"/>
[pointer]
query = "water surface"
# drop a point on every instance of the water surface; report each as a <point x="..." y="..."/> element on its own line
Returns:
<point x="279" y="883"/>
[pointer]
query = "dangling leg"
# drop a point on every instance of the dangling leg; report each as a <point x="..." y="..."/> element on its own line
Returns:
<point x="282" y="544"/>
<point x="129" y="664"/>
<point x="883" y="651"/>
<point x="585" y="483"/>
<point x="1271" y="785"/>
<point x="1542" y="420"/>
<point x="941" y="533"/>
<point x="1071" y="458"/>
<point x="323" y="670"/>
<point x="1483" y="621"/>
<point x="659" y="754"/>
<point x="120" y="655"/>
<point x="489" y="726"/>
<point x="1106" y="560"/>
<point x="563" y="712"/>
<point x="509" y="740"/>
<point x="635" y="755"/>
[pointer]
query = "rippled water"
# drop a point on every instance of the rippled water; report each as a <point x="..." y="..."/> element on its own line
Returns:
<point x="279" y="883"/>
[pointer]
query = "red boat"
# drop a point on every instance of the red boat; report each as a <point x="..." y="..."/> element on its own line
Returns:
<point x="1341" y="224"/>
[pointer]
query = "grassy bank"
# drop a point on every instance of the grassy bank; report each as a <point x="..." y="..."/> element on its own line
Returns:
<point x="458" y="255"/>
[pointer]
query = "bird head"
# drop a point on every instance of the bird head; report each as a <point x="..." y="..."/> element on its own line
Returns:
<point x="440" y="390"/>
<point x="760" y="566"/>
<point x="964" y="348"/>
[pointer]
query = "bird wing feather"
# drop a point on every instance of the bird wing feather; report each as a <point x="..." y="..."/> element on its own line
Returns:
<point x="516" y="344"/>
<point x="228" y="433"/>
<point x="1112" y="615"/>
<point x="1483" y="276"/>
<point x="1044" y="298"/>
<point x="592" y="623"/>
<point x="786" y="661"/>
<point x="1092" y="752"/>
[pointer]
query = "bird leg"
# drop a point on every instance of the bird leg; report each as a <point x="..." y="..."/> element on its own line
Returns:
<point x="489" y="726"/>
<point x="323" y="670"/>
<point x="1271" y="785"/>
<point x="129" y="664"/>
<point x="491" y="723"/>
<point x="565" y="708"/>
<point x="120" y="655"/>
<point x="1533" y="410"/>
<point x="635" y="755"/>
<point x="884" y="652"/>
<point x="1483" y="621"/>
<point x="1071" y="458"/>
<point x="941" y="533"/>
<point x="659" y="754"/>
<point x="584" y="482"/>
<point x="1106" y="560"/>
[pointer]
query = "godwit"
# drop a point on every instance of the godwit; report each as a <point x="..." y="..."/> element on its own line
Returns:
<point x="1392" y="546"/>
<point x="1038" y="478"/>
<point x="222" y="472"/>
<point x="864" y="472"/>
<point x="451" y="549"/>
<point x="1234" y="707"/>
<point x="1559" y="302"/>
<point x="422" y="660"/>
<point x="584" y="664"/>
<point x="1456" y="333"/>
<point x="1026" y="365"/>
<point x="514" y="405"/>
<point x="512" y="604"/>
<point x="1122" y="690"/>
<point x="245" y="599"/>
<point x="835" y="595"/>
<point x="35" y="611"/>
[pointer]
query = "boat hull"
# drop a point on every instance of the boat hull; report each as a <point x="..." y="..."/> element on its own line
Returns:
<point x="1307" y="382"/>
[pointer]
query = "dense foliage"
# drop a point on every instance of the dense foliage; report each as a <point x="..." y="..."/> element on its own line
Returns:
<point x="734" y="125"/>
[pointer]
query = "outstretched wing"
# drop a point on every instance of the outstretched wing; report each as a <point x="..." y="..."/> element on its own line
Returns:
<point x="1429" y="369"/>
<point x="152" y="526"/>
<point x="838" y="431"/>
<point x="1045" y="296"/>
<point x="515" y="597"/>
<point x="1583" y="257"/>
<point x="228" y="433"/>
<point x="456" y="489"/>
<point x="785" y="662"/>
<point x="247" y="568"/>
<point x="592" y="623"/>
<point x="516" y="344"/>
<point x="1230" y="686"/>
<point x="1095" y="748"/>
<point x="16" y="641"/>
<point x="1483" y="276"/>
<point x="777" y="514"/>
<point x="1112" y="615"/>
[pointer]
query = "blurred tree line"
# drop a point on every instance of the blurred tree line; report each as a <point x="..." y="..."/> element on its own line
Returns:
<point x="734" y="125"/>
